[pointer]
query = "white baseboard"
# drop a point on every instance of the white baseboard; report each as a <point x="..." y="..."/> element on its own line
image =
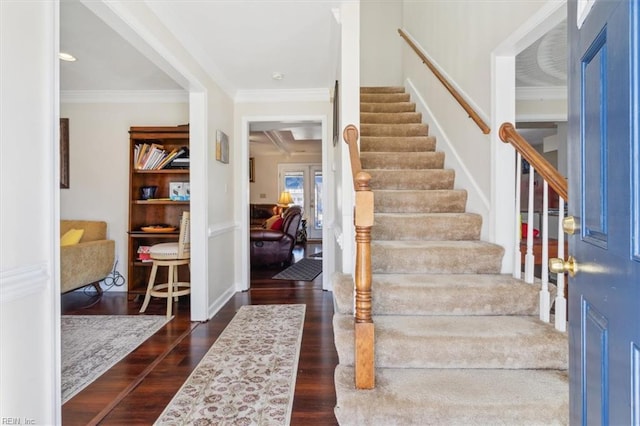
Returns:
<point x="221" y="301"/>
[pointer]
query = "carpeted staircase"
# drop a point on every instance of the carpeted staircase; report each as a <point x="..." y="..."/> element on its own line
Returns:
<point x="456" y="341"/>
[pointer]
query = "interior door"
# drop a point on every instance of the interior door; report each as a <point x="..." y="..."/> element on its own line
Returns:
<point x="304" y="182"/>
<point x="604" y="295"/>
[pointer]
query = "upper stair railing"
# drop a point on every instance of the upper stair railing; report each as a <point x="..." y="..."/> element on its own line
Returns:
<point x="463" y="103"/>
<point x="363" y="220"/>
<point x="542" y="244"/>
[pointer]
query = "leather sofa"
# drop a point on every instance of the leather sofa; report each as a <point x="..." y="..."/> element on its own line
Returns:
<point x="270" y="246"/>
<point x="89" y="261"/>
<point x="258" y="213"/>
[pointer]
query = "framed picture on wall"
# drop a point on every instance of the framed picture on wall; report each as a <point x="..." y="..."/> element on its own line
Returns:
<point x="252" y="170"/>
<point x="222" y="147"/>
<point x="336" y="114"/>
<point x="64" y="153"/>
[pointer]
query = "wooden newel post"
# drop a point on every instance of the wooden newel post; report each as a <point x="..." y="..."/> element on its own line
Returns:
<point x="364" y="328"/>
<point x="363" y="221"/>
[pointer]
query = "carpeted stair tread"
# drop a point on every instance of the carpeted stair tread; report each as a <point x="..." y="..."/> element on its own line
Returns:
<point x="411" y="179"/>
<point x="401" y="106"/>
<point x="382" y="89"/>
<point x="397" y="143"/>
<point x="390" y="118"/>
<point x="384" y="97"/>
<point x="464" y="397"/>
<point x="441" y="294"/>
<point x="457" y="342"/>
<point x="402" y="160"/>
<point x="420" y="201"/>
<point x="439" y="299"/>
<point x="414" y="129"/>
<point x="436" y="257"/>
<point x="426" y="226"/>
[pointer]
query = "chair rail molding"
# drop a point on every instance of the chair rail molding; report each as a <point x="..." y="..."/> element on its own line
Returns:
<point x="222" y="228"/>
<point x="21" y="282"/>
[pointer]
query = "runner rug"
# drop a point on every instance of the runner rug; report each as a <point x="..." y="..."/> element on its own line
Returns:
<point x="303" y="270"/>
<point x="248" y="376"/>
<point x="91" y="344"/>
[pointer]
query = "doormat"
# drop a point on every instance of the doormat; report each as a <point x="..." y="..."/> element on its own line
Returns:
<point x="248" y="376"/>
<point x="303" y="270"/>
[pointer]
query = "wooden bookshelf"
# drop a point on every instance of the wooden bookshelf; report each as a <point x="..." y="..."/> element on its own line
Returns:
<point x="158" y="210"/>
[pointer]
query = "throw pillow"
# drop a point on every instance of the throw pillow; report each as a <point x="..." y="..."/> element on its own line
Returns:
<point x="71" y="237"/>
<point x="269" y="222"/>
<point x="277" y="225"/>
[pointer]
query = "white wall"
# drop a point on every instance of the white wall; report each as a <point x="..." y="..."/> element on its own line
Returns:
<point x="99" y="162"/>
<point x="460" y="37"/>
<point x="29" y="176"/>
<point x="220" y="194"/>
<point x="380" y="43"/>
<point x="541" y="109"/>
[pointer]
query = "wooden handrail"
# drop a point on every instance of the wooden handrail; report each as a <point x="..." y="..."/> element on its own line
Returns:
<point x="350" y="135"/>
<point x="363" y="220"/>
<point x="463" y="103"/>
<point x="508" y="134"/>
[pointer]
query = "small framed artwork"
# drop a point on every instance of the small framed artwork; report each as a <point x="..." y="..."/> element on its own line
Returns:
<point x="252" y="170"/>
<point x="64" y="153"/>
<point x="222" y="147"/>
<point x="336" y="114"/>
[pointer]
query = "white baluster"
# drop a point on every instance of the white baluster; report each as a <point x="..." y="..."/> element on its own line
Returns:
<point x="545" y="297"/>
<point x="561" y="301"/>
<point x="517" y="255"/>
<point x="529" y="258"/>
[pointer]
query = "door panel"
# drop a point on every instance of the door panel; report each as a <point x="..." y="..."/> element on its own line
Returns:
<point x="594" y="88"/>
<point x="304" y="182"/>
<point x="314" y="226"/>
<point x="594" y="365"/>
<point x="604" y="296"/>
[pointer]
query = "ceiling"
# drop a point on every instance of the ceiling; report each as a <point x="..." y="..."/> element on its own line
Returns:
<point x="543" y="64"/>
<point x="250" y="40"/>
<point x="242" y="43"/>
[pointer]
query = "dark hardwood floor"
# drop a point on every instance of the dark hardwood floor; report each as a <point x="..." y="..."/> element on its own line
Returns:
<point x="136" y="390"/>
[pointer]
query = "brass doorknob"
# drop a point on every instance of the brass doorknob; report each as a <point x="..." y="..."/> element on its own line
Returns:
<point x="570" y="225"/>
<point x="559" y="266"/>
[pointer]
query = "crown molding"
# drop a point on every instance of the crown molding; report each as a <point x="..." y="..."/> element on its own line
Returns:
<point x="541" y="93"/>
<point x="124" y="96"/>
<point x="288" y="95"/>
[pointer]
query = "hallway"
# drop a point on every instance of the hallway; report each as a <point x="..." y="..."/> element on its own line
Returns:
<point x="136" y="390"/>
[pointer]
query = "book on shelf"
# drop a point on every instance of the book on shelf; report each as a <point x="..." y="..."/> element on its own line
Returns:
<point x="179" y="163"/>
<point x="154" y="156"/>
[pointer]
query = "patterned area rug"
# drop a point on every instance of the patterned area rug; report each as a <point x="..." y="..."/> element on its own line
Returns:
<point x="302" y="270"/>
<point x="248" y="376"/>
<point x="91" y="344"/>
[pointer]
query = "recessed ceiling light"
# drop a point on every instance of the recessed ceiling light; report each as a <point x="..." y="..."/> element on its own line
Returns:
<point x="277" y="76"/>
<point x="66" y="57"/>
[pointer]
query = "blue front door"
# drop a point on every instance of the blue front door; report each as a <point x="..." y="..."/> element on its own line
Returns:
<point x="604" y="188"/>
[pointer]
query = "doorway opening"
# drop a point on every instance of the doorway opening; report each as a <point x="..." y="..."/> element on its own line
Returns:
<point x="286" y="174"/>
